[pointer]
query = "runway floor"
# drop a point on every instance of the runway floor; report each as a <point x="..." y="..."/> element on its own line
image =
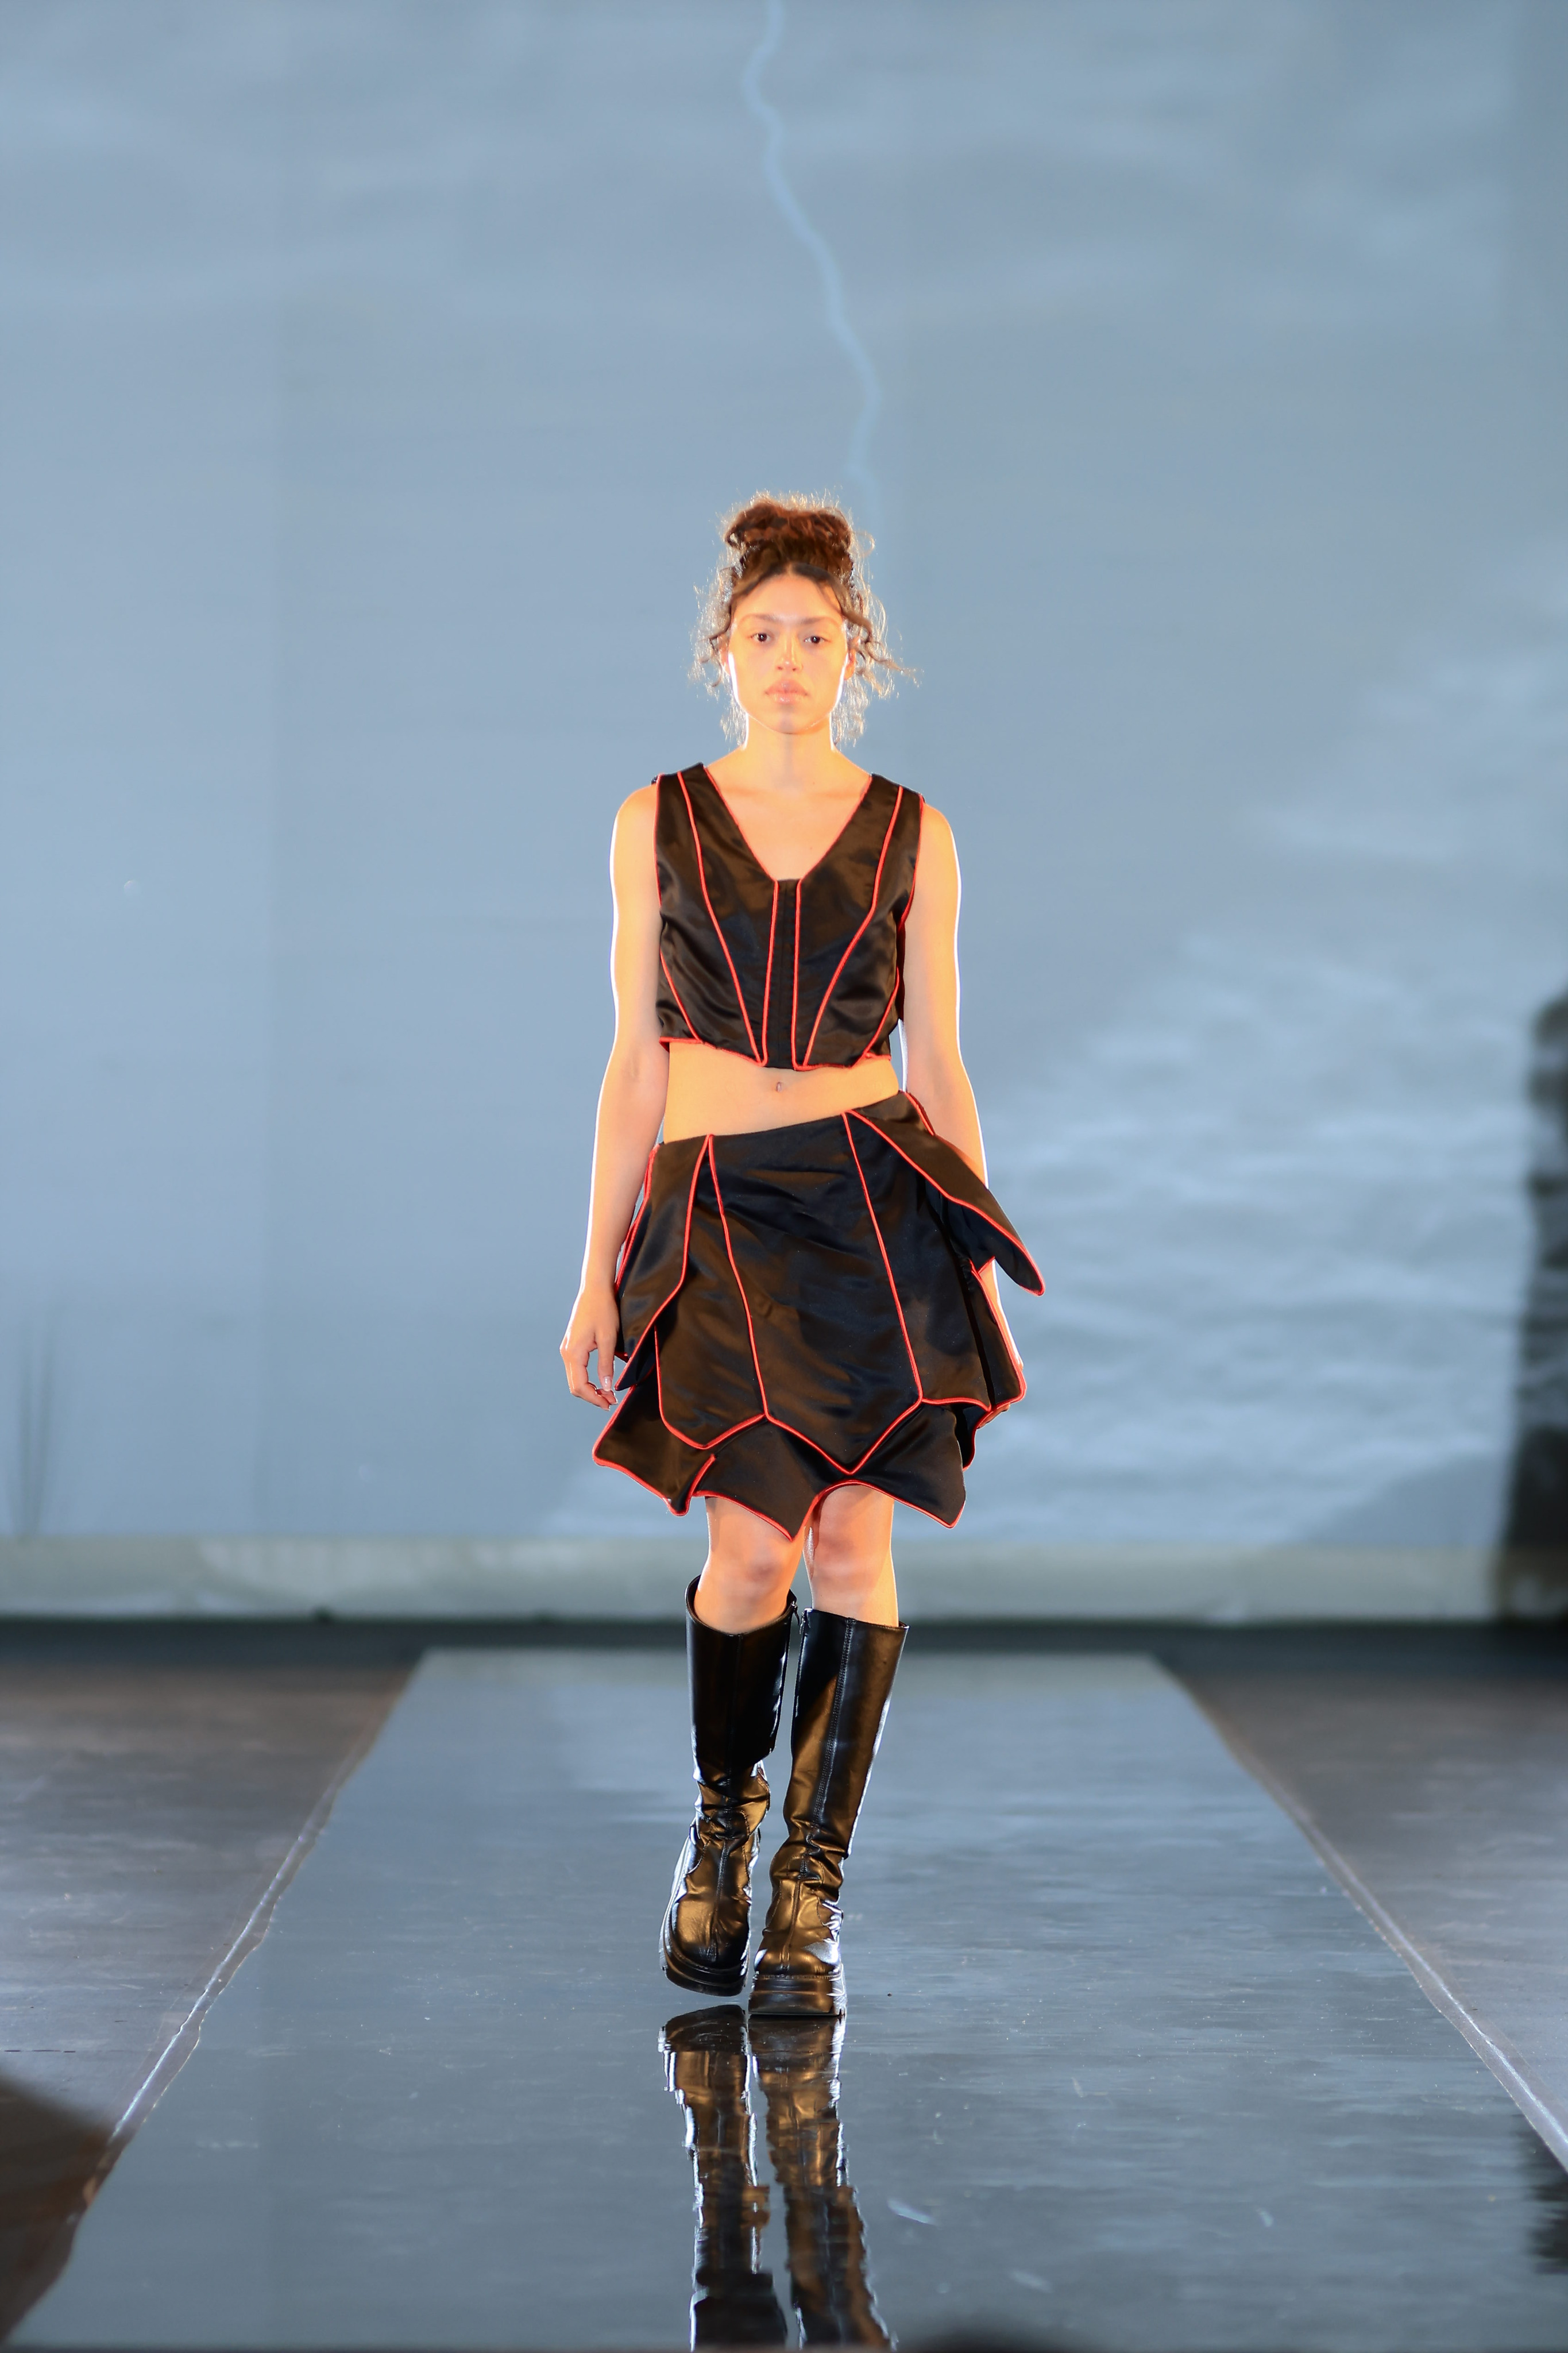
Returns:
<point x="1124" y="2066"/>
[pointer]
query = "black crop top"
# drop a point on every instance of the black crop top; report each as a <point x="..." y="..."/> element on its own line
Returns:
<point x="800" y="975"/>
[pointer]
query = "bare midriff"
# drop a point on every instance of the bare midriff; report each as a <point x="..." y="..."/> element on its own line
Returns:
<point x="715" y="1093"/>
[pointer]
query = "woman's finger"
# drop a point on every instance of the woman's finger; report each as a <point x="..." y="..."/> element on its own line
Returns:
<point x="605" y="1345"/>
<point x="574" y="1355"/>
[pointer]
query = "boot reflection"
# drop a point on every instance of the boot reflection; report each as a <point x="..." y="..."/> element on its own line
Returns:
<point x="797" y="2067"/>
<point x="732" y="2302"/>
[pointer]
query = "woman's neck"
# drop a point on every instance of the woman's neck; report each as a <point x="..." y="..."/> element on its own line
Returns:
<point x="796" y="766"/>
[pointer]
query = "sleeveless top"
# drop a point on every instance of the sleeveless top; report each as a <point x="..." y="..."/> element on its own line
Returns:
<point x="801" y="974"/>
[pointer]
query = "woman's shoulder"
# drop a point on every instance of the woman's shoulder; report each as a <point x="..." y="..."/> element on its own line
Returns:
<point x="641" y="807"/>
<point x="637" y="811"/>
<point x="877" y="781"/>
<point x="632" y="839"/>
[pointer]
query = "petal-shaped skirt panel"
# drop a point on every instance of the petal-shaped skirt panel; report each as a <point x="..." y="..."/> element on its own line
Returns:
<point x="800" y="1307"/>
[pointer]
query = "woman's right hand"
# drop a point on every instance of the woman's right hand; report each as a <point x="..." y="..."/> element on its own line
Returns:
<point x="594" y="1328"/>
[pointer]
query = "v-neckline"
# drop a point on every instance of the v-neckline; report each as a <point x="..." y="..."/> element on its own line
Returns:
<point x="785" y="881"/>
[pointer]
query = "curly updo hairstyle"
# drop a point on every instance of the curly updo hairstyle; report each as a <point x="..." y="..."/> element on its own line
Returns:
<point x="817" y="540"/>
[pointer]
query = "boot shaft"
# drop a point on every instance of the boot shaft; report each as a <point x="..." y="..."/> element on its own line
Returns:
<point x="737" y="1696"/>
<point x="707" y="2067"/>
<point x="842" y="1687"/>
<point x="797" y="2068"/>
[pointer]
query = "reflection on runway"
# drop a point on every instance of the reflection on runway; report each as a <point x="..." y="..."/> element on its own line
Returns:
<point x="1124" y="2067"/>
<point x="708" y="2066"/>
<point x="1533" y="1564"/>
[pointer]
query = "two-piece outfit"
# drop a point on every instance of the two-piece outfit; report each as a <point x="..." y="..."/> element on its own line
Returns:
<point x="800" y="1309"/>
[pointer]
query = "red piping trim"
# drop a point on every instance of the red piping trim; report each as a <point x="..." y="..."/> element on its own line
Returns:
<point x="680" y="1510"/>
<point x="887" y="1262"/>
<point x="788" y="1533"/>
<point x="768" y="982"/>
<point x="915" y="877"/>
<point x="983" y="1405"/>
<point x="851" y="1467"/>
<point x="866" y="794"/>
<point x="848" y="1469"/>
<point x="685" y="1254"/>
<point x="767" y="1415"/>
<point x="832" y="1488"/>
<point x="678" y="1435"/>
<point x="871" y="1051"/>
<point x="795" y="992"/>
<point x="730" y="1250"/>
<point x="857" y="935"/>
<point x="696" y="1444"/>
<point x="874" y="1488"/>
<point x="676" y="994"/>
<point x="957" y="1199"/>
<point x="723" y="942"/>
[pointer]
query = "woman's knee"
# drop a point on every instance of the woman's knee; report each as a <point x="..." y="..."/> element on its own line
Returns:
<point x="749" y="1561"/>
<point x="744" y="1545"/>
<point x="849" y="1551"/>
<point x="851" y="1524"/>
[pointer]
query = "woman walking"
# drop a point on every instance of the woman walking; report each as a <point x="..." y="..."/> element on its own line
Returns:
<point x="800" y="1271"/>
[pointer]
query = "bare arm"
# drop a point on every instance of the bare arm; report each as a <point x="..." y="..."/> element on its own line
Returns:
<point x="631" y="1099"/>
<point x="934" y="1066"/>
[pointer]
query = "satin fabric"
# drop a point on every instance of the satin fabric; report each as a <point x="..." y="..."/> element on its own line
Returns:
<point x="798" y="974"/>
<point x="800" y="1306"/>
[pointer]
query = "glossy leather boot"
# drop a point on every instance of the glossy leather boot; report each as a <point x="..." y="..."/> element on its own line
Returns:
<point x="842" y="1686"/>
<point x="797" y="2067"/>
<point x="705" y="2066"/>
<point x="737" y="1692"/>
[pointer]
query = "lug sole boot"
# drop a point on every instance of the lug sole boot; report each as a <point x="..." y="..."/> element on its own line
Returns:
<point x="737" y="1692"/>
<point x="797" y="2066"/>
<point x="842" y="1687"/>
<point x="705" y="2066"/>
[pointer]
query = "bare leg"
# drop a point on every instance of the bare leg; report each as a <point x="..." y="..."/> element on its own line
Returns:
<point x="749" y="1568"/>
<point x="850" y="1556"/>
<point x="848" y="1546"/>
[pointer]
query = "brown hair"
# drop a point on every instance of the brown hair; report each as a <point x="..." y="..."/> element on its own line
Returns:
<point x="817" y="540"/>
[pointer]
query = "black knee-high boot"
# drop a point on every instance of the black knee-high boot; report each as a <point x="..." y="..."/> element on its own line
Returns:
<point x="732" y="2299"/>
<point x="737" y="1692"/>
<point x="797" y="2066"/>
<point x="842" y="1686"/>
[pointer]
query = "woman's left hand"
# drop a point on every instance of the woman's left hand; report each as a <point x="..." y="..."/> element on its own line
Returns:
<point x="594" y="1328"/>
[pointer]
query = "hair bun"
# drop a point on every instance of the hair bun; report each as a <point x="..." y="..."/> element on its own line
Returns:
<point x="772" y="534"/>
<point x="817" y="540"/>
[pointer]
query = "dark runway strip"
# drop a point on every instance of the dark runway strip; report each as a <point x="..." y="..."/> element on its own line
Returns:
<point x="151" y="1809"/>
<point x="1123" y="2065"/>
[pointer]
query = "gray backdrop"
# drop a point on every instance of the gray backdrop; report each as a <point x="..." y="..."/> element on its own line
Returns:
<point x="374" y="372"/>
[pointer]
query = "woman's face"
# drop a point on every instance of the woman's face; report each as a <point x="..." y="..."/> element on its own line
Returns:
<point x="788" y="654"/>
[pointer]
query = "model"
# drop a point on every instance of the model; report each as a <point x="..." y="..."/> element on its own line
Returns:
<point x="795" y="1256"/>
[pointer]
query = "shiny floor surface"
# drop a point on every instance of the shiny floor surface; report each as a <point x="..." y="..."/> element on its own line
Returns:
<point x="1444" y="1799"/>
<point x="149" y="1813"/>
<point x="1123" y="2067"/>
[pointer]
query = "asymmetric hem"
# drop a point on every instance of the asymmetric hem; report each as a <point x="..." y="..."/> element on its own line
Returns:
<point x="801" y="1307"/>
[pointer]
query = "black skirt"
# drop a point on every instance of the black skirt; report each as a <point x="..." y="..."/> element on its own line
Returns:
<point x="800" y="1308"/>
